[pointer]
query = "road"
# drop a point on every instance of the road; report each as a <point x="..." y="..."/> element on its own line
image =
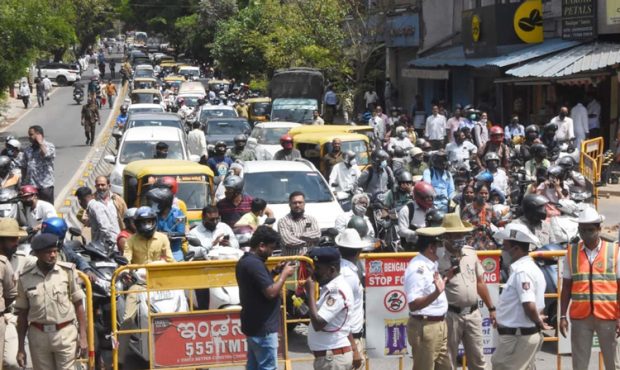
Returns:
<point x="60" y="119"/>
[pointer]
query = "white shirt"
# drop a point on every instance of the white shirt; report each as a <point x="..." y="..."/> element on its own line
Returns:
<point x="335" y="305"/>
<point x="344" y="218"/>
<point x="418" y="220"/>
<point x="43" y="211"/>
<point x="370" y="97"/>
<point x="579" y="114"/>
<point x="500" y="181"/>
<point x="318" y="121"/>
<point x="47" y="84"/>
<point x="404" y="143"/>
<point x="349" y="271"/>
<point x="525" y="284"/>
<point x="435" y="127"/>
<point x="565" y="128"/>
<point x="591" y="254"/>
<point x="184" y="111"/>
<point x="207" y="236"/>
<point x="461" y="153"/>
<point x="344" y="178"/>
<point x="196" y="142"/>
<point x="419" y="278"/>
<point x="594" y="108"/>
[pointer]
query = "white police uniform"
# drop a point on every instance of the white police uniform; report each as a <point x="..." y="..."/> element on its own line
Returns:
<point x="519" y="337"/>
<point x="427" y="331"/>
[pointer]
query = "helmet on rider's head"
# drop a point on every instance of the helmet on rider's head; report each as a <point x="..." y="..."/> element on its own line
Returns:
<point x="168" y="182"/>
<point x="124" y="108"/>
<point x="496" y="134"/>
<point x="160" y="199"/>
<point x="566" y="162"/>
<point x="439" y="160"/>
<point x="398" y="152"/>
<point x="550" y="128"/>
<point x="491" y="156"/>
<point x="359" y="224"/>
<point x="534" y="207"/>
<point x="14" y="143"/>
<point x="241" y="138"/>
<point x="532" y="129"/>
<point x="28" y="190"/>
<point x="378" y="156"/>
<point x="5" y="162"/>
<point x="220" y="148"/>
<point x="434" y="218"/>
<point x="485" y="176"/>
<point x="286" y="141"/>
<point x="130" y="214"/>
<point x="420" y="142"/>
<point x="404" y="176"/>
<point x="556" y="171"/>
<point x="56" y="226"/>
<point x="424" y="194"/>
<point x="539" y="150"/>
<point x="348" y="156"/>
<point x="145" y="221"/>
<point x="234" y="182"/>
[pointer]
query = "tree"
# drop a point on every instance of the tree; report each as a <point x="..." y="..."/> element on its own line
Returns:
<point x="92" y="18"/>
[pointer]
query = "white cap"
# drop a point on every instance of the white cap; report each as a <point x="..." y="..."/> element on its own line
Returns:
<point x="590" y="216"/>
<point x="516" y="232"/>
<point x="350" y="238"/>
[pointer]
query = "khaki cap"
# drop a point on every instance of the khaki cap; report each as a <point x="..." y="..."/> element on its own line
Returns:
<point x="453" y="224"/>
<point x="430" y="231"/>
<point x="10" y="228"/>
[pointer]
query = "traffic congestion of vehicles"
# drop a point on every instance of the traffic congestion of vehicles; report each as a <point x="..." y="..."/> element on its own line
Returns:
<point x="189" y="145"/>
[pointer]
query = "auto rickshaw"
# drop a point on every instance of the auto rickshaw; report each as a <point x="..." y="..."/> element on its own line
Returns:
<point x="315" y="146"/>
<point x="168" y="66"/>
<point x="174" y="81"/>
<point x="144" y="83"/>
<point x="329" y="129"/>
<point x="258" y="109"/>
<point x="145" y="96"/>
<point x="195" y="183"/>
<point x="219" y="85"/>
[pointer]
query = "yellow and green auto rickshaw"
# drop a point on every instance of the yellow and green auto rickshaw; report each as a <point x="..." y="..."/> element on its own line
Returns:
<point x="315" y="146"/>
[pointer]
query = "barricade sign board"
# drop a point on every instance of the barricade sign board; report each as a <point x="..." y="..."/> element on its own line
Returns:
<point x="387" y="311"/>
<point x="200" y="338"/>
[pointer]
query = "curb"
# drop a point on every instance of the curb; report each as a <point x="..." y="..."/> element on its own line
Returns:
<point x="93" y="166"/>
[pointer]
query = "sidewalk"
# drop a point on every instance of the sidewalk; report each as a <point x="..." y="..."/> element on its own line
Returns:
<point x="12" y="109"/>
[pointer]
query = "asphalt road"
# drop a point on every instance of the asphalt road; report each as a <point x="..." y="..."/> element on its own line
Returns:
<point x="60" y="119"/>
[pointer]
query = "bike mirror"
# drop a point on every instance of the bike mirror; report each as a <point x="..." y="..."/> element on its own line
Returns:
<point x="193" y="241"/>
<point x="189" y="256"/>
<point x="75" y="231"/>
<point x="270" y="221"/>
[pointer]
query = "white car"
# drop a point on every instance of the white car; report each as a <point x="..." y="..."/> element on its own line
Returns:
<point x="61" y="73"/>
<point x="145" y="108"/>
<point x="207" y="111"/>
<point x="267" y="134"/>
<point x="139" y="143"/>
<point x="274" y="181"/>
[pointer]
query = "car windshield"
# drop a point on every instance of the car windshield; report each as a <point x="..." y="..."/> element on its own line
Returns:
<point x="269" y="136"/>
<point x="191" y="101"/>
<point x="144" y="73"/>
<point x="217" y="113"/>
<point x="158" y="109"/>
<point x="138" y="150"/>
<point x="189" y="72"/>
<point x="227" y="127"/>
<point x="194" y="194"/>
<point x="357" y="146"/>
<point x="142" y="98"/>
<point x="260" y="109"/>
<point x="275" y="187"/>
<point x="292" y="115"/>
<point x="155" y="122"/>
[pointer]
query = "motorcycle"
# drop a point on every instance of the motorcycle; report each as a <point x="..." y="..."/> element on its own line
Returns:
<point x="8" y="202"/>
<point x="78" y="95"/>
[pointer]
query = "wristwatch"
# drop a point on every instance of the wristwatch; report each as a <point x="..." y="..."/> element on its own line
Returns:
<point x="491" y="309"/>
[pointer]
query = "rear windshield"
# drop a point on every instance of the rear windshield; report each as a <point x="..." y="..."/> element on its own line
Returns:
<point x="269" y="136"/>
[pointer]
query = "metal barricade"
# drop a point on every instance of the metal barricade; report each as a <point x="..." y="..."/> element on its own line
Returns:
<point x="591" y="164"/>
<point x="197" y="327"/>
<point x="90" y="329"/>
<point x="494" y="253"/>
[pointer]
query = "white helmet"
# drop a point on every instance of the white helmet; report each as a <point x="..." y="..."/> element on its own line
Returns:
<point x="15" y="144"/>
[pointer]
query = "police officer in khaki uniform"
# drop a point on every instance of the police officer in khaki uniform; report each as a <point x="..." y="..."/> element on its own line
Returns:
<point x="329" y="334"/>
<point x="9" y="234"/>
<point x="462" y="267"/>
<point x="48" y="302"/>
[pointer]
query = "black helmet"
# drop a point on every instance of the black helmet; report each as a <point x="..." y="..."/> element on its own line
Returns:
<point x="399" y="152"/>
<point x="160" y="198"/>
<point x="534" y="207"/>
<point x="420" y="142"/>
<point x="124" y="108"/>
<point x="439" y="159"/>
<point x="233" y="182"/>
<point x="240" y="138"/>
<point x="556" y="171"/>
<point x="379" y="155"/>
<point x="404" y="176"/>
<point x="220" y="147"/>
<point x="145" y="221"/>
<point x="550" y="127"/>
<point x="359" y="224"/>
<point x="539" y="150"/>
<point x="5" y="162"/>
<point x="531" y="129"/>
<point x="491" y="156"/>
<point x="348" y="156"/>
<point x="434" y="218"/>
<point x="566" y="162"/>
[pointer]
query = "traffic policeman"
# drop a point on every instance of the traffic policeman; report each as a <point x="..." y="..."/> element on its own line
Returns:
<point x="465" y="284"/>
<point x="48" y="302"/>
<point x="350" y="244"/>
<point x="9" y="234"/>
<point x="427" y="331"/>
<point x="593" y="301"/>
<point x="519" y="322"/>
<point x="329" y="333"/>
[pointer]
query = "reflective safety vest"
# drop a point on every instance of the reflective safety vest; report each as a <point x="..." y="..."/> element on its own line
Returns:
<point x="594" y="286"/>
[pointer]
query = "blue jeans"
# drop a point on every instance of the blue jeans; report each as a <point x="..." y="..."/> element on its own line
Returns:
<point x="263" y="352"/>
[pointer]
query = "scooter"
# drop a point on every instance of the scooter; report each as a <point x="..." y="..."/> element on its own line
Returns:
<point x="8" y="202"/>
<point x="78" y="95"/>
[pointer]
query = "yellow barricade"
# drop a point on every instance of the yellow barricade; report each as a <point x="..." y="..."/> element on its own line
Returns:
<point x="191" y="334"/>
<point x="90" y="329"/>
<point x="591" y="164"/>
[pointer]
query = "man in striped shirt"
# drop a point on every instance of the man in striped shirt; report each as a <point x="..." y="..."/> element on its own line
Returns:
<point x="298" y="230"/>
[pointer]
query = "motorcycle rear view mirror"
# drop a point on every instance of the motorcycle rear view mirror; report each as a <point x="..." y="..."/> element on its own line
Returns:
<point x="75" y="231"/>
<point x="270" y="221"/>
<point x="193" y="241"/>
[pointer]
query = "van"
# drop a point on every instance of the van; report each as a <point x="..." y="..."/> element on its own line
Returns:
<point x="192" y="88"/>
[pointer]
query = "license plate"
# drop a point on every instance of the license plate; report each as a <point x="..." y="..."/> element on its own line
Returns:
<point x="105" y="264"/>
<point x="161" y="296"/>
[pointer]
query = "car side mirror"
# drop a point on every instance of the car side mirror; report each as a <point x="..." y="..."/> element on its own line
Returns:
<point x="110" y="159"/>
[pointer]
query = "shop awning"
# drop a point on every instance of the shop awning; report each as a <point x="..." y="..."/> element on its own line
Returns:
<point x="580" y="59"/>
<point x="508" y="55"/>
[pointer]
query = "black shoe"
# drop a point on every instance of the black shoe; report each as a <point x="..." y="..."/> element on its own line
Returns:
<point x="87" y="141"/>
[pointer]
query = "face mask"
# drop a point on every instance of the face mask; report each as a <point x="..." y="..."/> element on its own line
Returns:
<point x="416" y="161"/>
<point x="458" y="244"/>
<point x="210" y="225"/>
<point x="101" y="194"/>
<point x="27" y="203"/>
<point x="589" y="237"/>
<point x="161" y="155"/>
<point x="403" y="135"/>
<point x="483" y="120"/>
<point x="383" y="164"/>
<point x="222" y="170"/>
<point x="492" y="166"/>
<point x="480" y="199"/>
<point x="11" y="153"/>
<point x="562" y="115"/>
<point x="441" y="251"/>
<point x="359" y="210"/>
<point x="460" y="188"/>
<point x="155" y="208"/>
<point x="506" y="259"/>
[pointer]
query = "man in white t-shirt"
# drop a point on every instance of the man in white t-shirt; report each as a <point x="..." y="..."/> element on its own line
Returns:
<point x="32" y="211"/>
<point x="435" y="129"/>
<point x="565" y="130"/>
